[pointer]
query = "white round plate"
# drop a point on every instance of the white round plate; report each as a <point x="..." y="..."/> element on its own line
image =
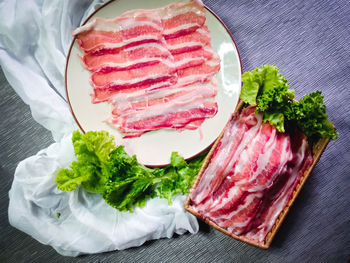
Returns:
<point x="154" y="148"/>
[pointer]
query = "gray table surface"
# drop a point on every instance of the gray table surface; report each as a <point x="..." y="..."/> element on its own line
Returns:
<point x="309" y="42"/>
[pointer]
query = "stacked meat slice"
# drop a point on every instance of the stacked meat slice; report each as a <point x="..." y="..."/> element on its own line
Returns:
<point x="156" y="67"/>
<point x="251" y="176"/>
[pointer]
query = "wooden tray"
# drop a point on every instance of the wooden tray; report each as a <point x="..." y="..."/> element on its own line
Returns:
<point x="317" y="150"/>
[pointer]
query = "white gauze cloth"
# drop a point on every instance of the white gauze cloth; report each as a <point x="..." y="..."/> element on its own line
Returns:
<point x="34" y="40"/>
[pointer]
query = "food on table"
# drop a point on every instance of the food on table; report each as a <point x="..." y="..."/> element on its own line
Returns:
<point x="269" y="91"/>
<point x="251" y="175"/>
<point x="261" y="156"/>
<point x="103" y="168"/>
<point x="156" y="67"/>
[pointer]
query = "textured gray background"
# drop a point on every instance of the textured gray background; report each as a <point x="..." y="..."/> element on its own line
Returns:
<point x="310" y="42"/>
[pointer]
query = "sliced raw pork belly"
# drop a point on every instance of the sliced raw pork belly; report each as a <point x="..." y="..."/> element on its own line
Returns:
<point x="129" y="58"/>
<point x="199" y="73"/>
<point x="189" y="42"/>
<point x="176" y="95"/>
<point x="251" y="175"/>
<point x="127" y="93"/>
<point x="157" y="67"/>
<point x="193" y="58"/>
<point x="110" y="35"/>
<point x="277" y="196"/>
<point x="182" y="18"/>
<point x="239" y="132"/>
<point x="135" y="77"/>
<point x="185" y="108"/>
<point x="168" y="116"/>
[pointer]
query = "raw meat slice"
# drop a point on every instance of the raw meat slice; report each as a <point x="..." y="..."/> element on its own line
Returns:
<point x="128" y="58"/>
<point x="244" y="125"/>
<point x="242" y="169"/>
<point x="192" y="58"/>
<point x="240" y="219"/>
<point x="182" y="18"/>
<point x="270" y="165"/>
<point x="189" y="42"/>
<point x="134" y="77"/>
<point x="140" y="26"/>
<point x="134" y="92"/>
<point x="235" y="171"/>
<point x="280" y="193"/>
<point x="169" y="118"/>
<point x="167" y="108"/>
<point x="156" y="67"/>
<point x="156" y="92"/>
<point x="101" y="34"/>
<point x="227" y="202"/>
<point x="244" y="188"/>
<point x="217" y="201"/>
<point x="200" y="73"/>
<point x="128" y="93"/>
<point x="174" y="95"/>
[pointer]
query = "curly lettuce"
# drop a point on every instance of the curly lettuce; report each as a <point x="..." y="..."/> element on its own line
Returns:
<point x="132" y="184"/>
<point x="269" y="91"/>
<point x="310" y="115"/>
<point x="90" y="169"/>
<point x="101" y="167"/>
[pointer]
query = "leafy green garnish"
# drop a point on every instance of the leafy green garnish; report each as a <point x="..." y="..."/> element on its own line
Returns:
<point x="269" y="91"/>
<point x="265" y="88"/>
<point x="132" y="184"/>
<point x="310" y="115"/>
<point x="90" y="169"/>
<point x="103" y="168"/>
<point x="178" y="177"/>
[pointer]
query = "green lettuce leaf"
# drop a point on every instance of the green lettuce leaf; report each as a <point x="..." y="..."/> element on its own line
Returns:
<point x="90" y="169"/>
<point x="66" y="180"/>
<point x="252" y="82"/>
<point x="130" y="183"/>
<point x="269" y="91"/>
<point x="124" y="183"/>
<point x="177" y="179"/>
<point x="310" y="116"/>
<point x="276" y="119"/>
<point x="177" y="161"/>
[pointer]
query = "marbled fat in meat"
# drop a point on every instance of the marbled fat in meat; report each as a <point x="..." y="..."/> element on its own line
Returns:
<point x="251" y="175"/>
<point x="147" y="63"/>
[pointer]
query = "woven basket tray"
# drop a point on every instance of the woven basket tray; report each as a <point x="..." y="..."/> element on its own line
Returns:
<point x="317" y="150"/>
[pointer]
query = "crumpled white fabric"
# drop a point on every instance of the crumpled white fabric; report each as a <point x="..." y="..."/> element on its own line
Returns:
<point x="34" y="39"/>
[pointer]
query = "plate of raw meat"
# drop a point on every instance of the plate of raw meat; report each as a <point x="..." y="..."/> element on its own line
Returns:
<point x="160" y="76"/>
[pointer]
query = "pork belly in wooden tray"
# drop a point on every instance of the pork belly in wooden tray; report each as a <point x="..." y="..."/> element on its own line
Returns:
<point x="251" y="177"/>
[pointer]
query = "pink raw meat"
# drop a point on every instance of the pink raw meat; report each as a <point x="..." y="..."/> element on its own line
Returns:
<point x="129" y="58"/>
<point x="280" y="193"/>
<point x="169" y="97"/>
<point x="126" y="92"/>
<point x="156" y="67"/>
<point x="113" y="34"/>
<point x="241" y="218"/>
<point x="200" y="73"/>
<point x="182" y="18"/>
<point x="178" y="119"/>
<point x="243" y="126"/>
<point x="192" y="58"/>
<point x="244" y="188"/>
<point x="192" y="41"/>
<point x="134" y="77"/>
